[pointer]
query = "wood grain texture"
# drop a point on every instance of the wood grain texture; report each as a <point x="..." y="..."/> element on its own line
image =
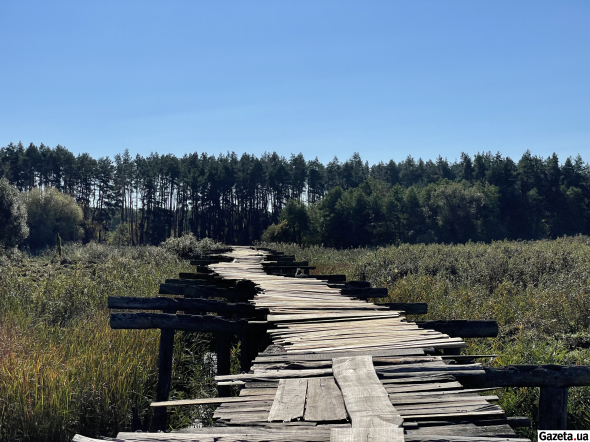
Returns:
<point x="367" y="403"/>
<point x="289" y="401"/>
<point x="324" y="401"/>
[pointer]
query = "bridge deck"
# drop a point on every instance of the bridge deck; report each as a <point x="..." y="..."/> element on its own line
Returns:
<point x="342" y="369"/>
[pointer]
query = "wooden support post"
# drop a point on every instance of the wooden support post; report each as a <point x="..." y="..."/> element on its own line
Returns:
<point x="223" y="350"/>
<point x="553" y="408"/>
<point x="452" y="351"/>
<point x="164" y="376"/>
<point x="245" y="350"/>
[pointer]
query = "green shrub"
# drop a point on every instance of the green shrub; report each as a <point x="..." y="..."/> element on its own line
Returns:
<point x="50" y="213"/>
<point x="63" y="370"/>
<point x="13" y="216"/>
<point x="188" y="246"/>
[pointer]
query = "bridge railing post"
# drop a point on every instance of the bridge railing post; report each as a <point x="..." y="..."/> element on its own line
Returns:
<point x="553" y="408"/>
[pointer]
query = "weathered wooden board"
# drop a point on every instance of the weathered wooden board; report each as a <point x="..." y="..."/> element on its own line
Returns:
<point x="324" y="401"/>
<point x="289" y="402"/>
<point x="367" y="402"/>
<point x="389" y="433"/>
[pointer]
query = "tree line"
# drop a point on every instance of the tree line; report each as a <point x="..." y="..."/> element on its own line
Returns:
<point x="234" y="199"/>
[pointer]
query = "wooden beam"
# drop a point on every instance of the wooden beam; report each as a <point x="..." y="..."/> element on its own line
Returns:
<point x="164" y="377"/>
<point x="182" y="304"/>
<point x="142" y="321"/>
<point x="205" y="291"/>
<point x="553" y="408"/>
<point x="463" y="328"/>
<point x="223" y="351"/>
<point x="557" y="376"/>
<point x="364" y="293"/>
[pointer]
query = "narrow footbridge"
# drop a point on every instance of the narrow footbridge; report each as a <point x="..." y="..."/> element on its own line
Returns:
<point x="321" y="364"/>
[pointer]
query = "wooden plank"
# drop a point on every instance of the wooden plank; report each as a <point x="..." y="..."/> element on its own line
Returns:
<point x="180" y="304"/>
<point x="282" y="357"/>
<point x="367" y="402"/>
<point x="420" y="387"/>
<point x="553" y="408"/>
<point x="557" y="376"/>
<point x="466" y="430"/>
<point x="175" y="322"/>
<point x="165" y="354"/>
<point x="289" y="402"/>
<point x="80" y="438"/>
<point x="389" y="433"/>
<point x="214" y="400"/>
<point x="324" y="401"/>
<point x="455" y="398"/>
<point x="276" y="374"/>
<point x="321" y="316"/>
<point x="463" y="328"/>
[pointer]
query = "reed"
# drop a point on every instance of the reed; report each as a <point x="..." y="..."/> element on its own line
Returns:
<point x="62" y="369"/>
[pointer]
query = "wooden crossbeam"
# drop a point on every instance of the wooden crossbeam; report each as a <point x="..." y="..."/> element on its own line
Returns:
<point x="558" y="376"/>
<point x="182" y="304"/>
<point x="463" y="328"/>
<point x="164" y="321"/>
<point x="365" y="293"/>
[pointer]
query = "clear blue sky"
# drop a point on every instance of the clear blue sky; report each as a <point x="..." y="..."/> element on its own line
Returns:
<point x="385" y="78"/>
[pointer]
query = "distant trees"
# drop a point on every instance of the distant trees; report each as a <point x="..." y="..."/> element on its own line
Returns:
<point x="49" y="213"/>
<point x="13" y="216"/>
<point x="230" y="198"/>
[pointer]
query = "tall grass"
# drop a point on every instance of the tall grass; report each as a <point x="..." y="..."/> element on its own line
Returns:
<point x="539" y="292"/>
<point x="62" y="369"/>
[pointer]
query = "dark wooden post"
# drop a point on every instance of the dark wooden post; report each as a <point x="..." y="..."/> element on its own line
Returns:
<point x="245" y="352"/>
<point x="553" y="408"/>
<point x="223" y="350"/>
<point x="164" y="376"/>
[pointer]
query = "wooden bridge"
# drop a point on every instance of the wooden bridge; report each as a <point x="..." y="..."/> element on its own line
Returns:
<point x="338" y="369"/>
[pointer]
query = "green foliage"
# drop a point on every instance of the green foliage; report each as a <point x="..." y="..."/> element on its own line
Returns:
<point x="52" y="213"/>
<point x="294" y="224"/>
<point x="13" y="216"/>
<point x="277" y="232"/>
<point x="187" y="246"/>
<point x="63" y="370"/>
<point x="234" y="199"/>
<point x="538" y="291"/>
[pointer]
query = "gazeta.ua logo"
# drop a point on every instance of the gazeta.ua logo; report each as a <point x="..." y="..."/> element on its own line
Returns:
<point x="574" y="435"/>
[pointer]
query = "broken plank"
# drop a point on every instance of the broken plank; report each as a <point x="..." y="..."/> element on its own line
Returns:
<point x="324" y="401"/>
<point x="289" y="402"/>
<point x="366" y="400"/>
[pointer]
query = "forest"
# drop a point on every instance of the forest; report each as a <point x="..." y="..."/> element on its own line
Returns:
<point x="238" y="200"/>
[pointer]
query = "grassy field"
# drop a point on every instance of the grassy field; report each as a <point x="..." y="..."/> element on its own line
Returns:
<point x="62" y="369"/>
<point x="539" y="292"/>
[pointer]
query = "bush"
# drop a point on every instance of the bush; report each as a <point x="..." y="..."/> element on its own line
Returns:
<point x="13" y="216"/>
<point x="51" y="212"/>
<point x="188" y="246"/>
<point x="276" y="233"/>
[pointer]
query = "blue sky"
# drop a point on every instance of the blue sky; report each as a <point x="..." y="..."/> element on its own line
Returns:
<point x="387" y="79"/>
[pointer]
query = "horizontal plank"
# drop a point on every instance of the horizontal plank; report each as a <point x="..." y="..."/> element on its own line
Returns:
<point x="364" y="293"/>
<point x="213" y="400"/>
<point x="181" y="304"/>
<point x="463" y="328"/>
<point x="166" y="321"/>
<point x="531" y="376"/>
